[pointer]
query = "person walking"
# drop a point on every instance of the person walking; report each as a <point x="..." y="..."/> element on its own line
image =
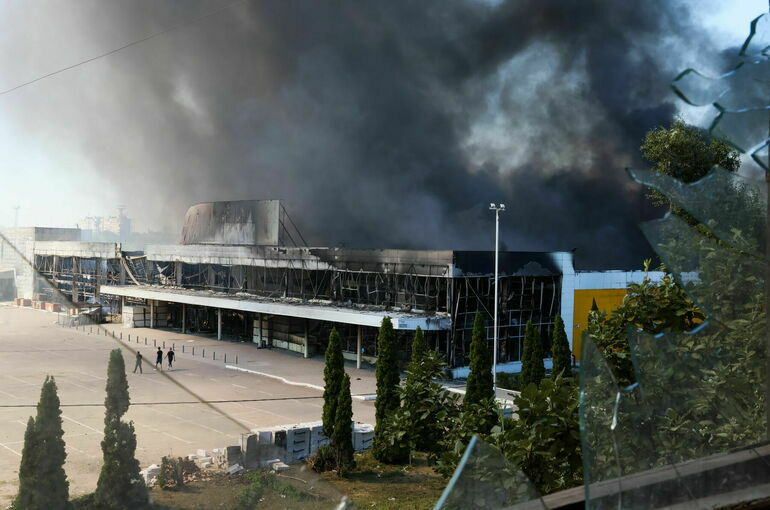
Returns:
<point x="159" y="359"/>
<point x="138" y="362"/>
<point x="170" y="357"/>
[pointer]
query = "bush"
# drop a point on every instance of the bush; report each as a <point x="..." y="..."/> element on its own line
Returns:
<point x="325" y="459"/>
<point x="174" y="471"/>
<point x="508" y="381"/>
<point x="545" y="441"/>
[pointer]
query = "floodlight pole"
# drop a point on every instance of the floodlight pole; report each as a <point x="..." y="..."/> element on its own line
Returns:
<point x="497" y="209"/>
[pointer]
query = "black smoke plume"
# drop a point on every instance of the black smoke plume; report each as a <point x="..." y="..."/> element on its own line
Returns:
<point x="383" y="123"/>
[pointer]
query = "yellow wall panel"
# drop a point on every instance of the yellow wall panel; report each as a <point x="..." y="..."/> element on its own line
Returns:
<point x="606" y="299"/>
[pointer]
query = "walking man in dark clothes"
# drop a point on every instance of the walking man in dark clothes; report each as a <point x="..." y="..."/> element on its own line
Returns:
<point x="159" y="359"/>
<point x="170" y="357"/>
<point x="138" y="362"/>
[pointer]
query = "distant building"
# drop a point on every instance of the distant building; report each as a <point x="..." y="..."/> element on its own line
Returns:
<point x="106" y="228"/>
<point x="240" y="273"/>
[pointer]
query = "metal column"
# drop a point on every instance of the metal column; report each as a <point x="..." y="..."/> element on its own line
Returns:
<point x="219" y="324"/>
<point x="152" y="313"/>
<point x="307" y="348"/>
<point x="358" y="348"/>
<point x="184" y="317"/>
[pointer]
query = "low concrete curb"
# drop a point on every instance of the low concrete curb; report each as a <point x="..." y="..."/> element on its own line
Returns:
<point x="294" y="383"/>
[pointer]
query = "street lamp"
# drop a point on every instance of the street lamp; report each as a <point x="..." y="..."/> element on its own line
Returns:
<point x="498" y="209"/>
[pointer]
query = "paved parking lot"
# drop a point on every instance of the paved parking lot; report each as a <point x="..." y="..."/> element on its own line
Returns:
<point x="166" y="411"/>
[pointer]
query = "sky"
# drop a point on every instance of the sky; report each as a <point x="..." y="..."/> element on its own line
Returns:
<point x="380" y="125"/>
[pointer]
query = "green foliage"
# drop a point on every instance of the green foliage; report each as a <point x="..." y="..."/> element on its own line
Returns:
<point x="117" y="400"/>
<point x="509" y="381"/>
<point x="334" y="370"/>
<point x="27" y="496"/>
<point x="45" y="462"/>
<point x="532" y="364"/>
<point x="544" y="442"/>
<point x="562" y="356"/>
<point x="120" y="485"/>
<point x="426" y="413"/>
<point x="418" y="345"/>
<point x="325" y="459"/>
<point x="683" y="152"/>
<point x="474" y="419"/>
<point x="342" y="438"/>
<point x="173" y="472"/>
<point x="388" y="379"/>
<point x="479" y="385"/>
<point x="651" y="307"/>
<point x="259" y="481"/>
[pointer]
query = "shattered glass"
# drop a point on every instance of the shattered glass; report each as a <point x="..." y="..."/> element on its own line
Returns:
<point x="691" y="432"/>
<point x="740" y="96"/>
<point x="486" y="480"/>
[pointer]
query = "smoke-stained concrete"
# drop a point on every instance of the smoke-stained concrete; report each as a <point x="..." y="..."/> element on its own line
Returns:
<point x="381" y="124"/>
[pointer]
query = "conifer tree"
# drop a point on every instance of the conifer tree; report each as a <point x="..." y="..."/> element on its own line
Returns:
<point x="26" y="498"/>
<point x="562" y="360"/>
<point x="418" y="345"/>
<point x="479" y="385"/>
<point x="50" y="479"/>
<point x="120" y="486"/>
<point x="342" y="437"/>
<point x="388" y="380"/>
<point x="334" y="371"/>
<point x="533" y="367"/>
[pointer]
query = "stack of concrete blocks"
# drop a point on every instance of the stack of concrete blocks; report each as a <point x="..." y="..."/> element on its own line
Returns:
<point x="139" y="316"/>
<point x="363" y="436"/>
<point x="150" y="474"/>
<point x="294" y="440"/>
<point x="201" y="459"/>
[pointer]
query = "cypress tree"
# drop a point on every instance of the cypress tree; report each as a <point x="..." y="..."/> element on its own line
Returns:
<point x="30" y="457"/>
<point x="51" y="482"/>
<point x="342" y="437"/>
<point x="562" y="361"/>
<point x="479" y="386"/>
<point x="334" y="371"/>
<point x="120" y="485"/>
<point x="388" y="379"/>
<point x="418" y="346"/>
<point x="533" y="368"/>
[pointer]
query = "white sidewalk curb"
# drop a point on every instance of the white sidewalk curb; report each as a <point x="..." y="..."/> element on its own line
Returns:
<point x="293" y="383"/>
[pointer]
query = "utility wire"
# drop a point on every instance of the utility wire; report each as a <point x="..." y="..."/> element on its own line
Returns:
<point x="125" y="46"/>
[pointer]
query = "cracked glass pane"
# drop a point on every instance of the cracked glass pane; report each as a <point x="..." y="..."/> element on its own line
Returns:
<point x="486" y="480"/>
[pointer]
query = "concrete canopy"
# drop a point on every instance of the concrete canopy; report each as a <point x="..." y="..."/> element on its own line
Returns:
<point x="329" y="313"/>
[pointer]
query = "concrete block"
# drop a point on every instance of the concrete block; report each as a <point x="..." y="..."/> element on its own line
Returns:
<point x="279" y="466"/>
<point x="235" y="468"/>
<point x="206" y="465"/>
<point x="202" y="453"/>
<point x="233" y="455"/>
<point x="192" y="456"/>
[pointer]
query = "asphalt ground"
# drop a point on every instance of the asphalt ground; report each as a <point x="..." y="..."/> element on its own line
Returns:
<point x="166" y="408"/>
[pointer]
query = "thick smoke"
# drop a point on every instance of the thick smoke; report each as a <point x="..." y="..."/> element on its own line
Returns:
<point x="383" y="124"/>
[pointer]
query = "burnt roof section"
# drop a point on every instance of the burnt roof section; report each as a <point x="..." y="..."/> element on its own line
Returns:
<point x="511" y="263"/>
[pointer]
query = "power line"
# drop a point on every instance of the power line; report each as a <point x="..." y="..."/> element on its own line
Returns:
<point x="182" y="402"/>
<point x="121" y="48"/>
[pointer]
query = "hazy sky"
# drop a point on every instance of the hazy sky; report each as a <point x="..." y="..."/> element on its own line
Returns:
<point x="71" y="145"/>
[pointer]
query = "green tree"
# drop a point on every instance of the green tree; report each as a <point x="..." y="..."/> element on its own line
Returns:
<point x="562" y="358"/>
<point x="334" y="371"/>
<point x="120" y="485"/>
<point x="342" y="437"/>
<point x="532" y="365"/>
<point x="683" y="152"/>
<point x="51" y="482"/>
<point x="418" y="345"/>
<point x="388" y="379"/>
<point x="479" y="385"/>
<point x="27" y="497"/>
<point x="544" y="442"/>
